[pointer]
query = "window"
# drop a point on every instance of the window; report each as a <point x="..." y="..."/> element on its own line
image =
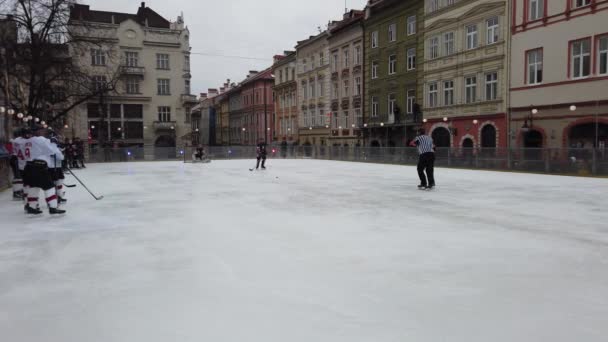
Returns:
<point x="411" y="59"/>
<point x="491" y="86"/>
<point x="312" y="84"/>
<point x="99" y="82"/>
<point x="164" y="114"/>
<point x="411" y="99"/>
<point x="334" y="93"/>
<point x="392" y="64"/>
<point x="133" y="111"/>
<point x="433" y="5"/>
<point x="98" y="57"/>
<point x="131" y="58"/>
<point x="321" y="59"/>
<point x="536" y="9"/>
<point x="374" y="39"/>
<point x="162" y="61"/>
<point x="335" y="122"/>
<point x="392" y="100"/>
<point x="581" y="58"/>
<point x="411" y="25"/>
<point x="334" y="64"/>
<point x="535" y="66"/>
<point x="305" y="90"/>
<point x="392" y="32"/>
<point x="345" y="58"/>
<point x="448" y="93"/>
<point x="280" y="76"/>
<point x="470" y="89"/>
<point x="186" y="62"/>
<point x="357" y="86"/>
<point x="321" y="87"/>
<point x="602" y="55"/>
<point x="163" y="86"/>
<point x="471" y="37"/>
<point x="581" y="3"/>
<point x="345" y="88"/>
<point x="357" y="55"/>
<point x="374" y="69"/>
<point x="358" y="117"/>
<point x="434" y="47"/>
<point x="132" y="85"/>
<point x="433" y="94"/>
<point x="312" y="62"/>
<point x="492" y="30"/>
<point x="448" y="43"/>
<point x="187" y="86"/>
<point x="374" y="106"/>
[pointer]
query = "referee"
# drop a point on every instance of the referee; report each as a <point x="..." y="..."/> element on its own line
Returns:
<point x="426" y="160"/>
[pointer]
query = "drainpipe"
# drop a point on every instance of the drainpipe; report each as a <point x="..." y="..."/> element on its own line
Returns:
<point x="508" y="90"/>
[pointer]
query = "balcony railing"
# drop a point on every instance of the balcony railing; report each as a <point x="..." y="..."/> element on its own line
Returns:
<point x="187" y="98"/>
<point x="133" y="70"/>
<point x="164" y="125"/>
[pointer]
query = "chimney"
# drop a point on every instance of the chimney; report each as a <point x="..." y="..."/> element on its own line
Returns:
<point x="212" y="92"/>
<point x="203" y="96"/>
<point x="252" y="73"/>
<point x="222" y="90"/>
<point x="143" y="4"/>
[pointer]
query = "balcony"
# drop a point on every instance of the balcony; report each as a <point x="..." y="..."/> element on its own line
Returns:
<point x="335" y="105"/>
<point x="164" y="125"/>
<point x="345" y="104"/>
<point x="334" y="76"/>
<point x="132" y="70"/>
<point x="345" y="73"/>
<point x="187" y="98"/>
<point x="357" y="69"/>
<point x="357" y="101"/>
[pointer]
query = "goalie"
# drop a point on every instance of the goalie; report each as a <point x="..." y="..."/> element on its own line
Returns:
<point x="199" y="155"/>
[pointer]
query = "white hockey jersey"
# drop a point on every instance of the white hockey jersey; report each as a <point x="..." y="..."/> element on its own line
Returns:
<point x="20" y="152"/>
<point x="39" y="148"/>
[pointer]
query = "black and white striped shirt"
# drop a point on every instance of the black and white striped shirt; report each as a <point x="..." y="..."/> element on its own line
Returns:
<point x="424" y="143"/>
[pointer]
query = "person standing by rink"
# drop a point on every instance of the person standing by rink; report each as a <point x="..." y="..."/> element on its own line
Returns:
<point x="39" y="154"/>
<point x="426" y="159"/>
<point x="261" y="154"/>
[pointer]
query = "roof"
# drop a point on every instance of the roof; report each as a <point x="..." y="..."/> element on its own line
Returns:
<point x="144" y="15"/>
<point x="354" y="17"/>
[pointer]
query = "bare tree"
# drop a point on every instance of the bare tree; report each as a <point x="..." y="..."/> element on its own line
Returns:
<point x="45" y="73"/>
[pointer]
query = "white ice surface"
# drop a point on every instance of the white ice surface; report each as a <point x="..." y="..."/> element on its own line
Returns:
<point x="328" y="251"/>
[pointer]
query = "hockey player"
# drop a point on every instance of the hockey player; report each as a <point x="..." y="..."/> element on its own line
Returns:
<point x="38" y="153"/>
<point x="14" y="162"/>
<point x="426" y="159"/>
<point x="261" y="154"/>
<point x="19" y="151"/>
<point x="57" y="170"/>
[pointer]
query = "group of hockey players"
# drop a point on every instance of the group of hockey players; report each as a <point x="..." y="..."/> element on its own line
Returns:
<point x="36" y="162"/>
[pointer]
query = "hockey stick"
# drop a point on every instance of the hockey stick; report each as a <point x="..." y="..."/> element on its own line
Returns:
<point x="69" y="185"/>
<point x="81" y="183"/>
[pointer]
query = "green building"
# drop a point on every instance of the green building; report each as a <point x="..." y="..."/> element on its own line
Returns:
<point x="394" y="52"/>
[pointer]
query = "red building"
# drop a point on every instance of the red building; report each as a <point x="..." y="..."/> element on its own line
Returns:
<point x="257" y="107"/>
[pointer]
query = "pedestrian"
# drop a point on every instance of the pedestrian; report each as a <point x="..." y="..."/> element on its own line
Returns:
<point x="79" y="152"/>
<point x="261" y="154"/>
<point x="426" y="159"/>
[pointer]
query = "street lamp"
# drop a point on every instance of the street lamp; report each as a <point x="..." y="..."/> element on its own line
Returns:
<point x="572" y="108"/>
<point x="36" y="119"/>
<point x="66" y="126"/>
<point x="2" y="109"/>
<point x="425" y="120"/>
<point x="10" y="111"/>
<point x="475" y="122"/>
<point x="19" y="115"/>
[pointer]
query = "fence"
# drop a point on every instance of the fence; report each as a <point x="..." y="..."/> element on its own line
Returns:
<point x="551" y="161"/>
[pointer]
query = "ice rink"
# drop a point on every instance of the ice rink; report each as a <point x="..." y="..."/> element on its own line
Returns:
<point x="308" y="251"/>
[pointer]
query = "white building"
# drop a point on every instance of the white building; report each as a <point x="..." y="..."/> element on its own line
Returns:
<point x="148" y="58"/>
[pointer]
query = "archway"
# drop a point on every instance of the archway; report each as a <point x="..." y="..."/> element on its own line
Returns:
<point x="441" y="137"/>
<point x="584" y="135"/>
<point x="488" y="136"/>
<point x="533" y="139"/>
<point x="467" y="143"/>
<point x="164" y="147"/>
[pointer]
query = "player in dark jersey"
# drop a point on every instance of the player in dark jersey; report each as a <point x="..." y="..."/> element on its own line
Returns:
<point x="261" y="154"/>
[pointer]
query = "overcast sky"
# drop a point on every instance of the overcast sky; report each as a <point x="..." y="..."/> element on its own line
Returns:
<point x="247" y="28"/>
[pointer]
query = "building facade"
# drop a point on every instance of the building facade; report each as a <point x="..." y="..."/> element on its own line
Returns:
<point x="313" y="78"/>
<point x="394" y="58"/>
<point x="559" y="73"/>
<point x="347" y="80"/>
<point x="466" y="72"/>
<point x="149" y="59"/>
<point x="286" y="99"/>
<point x="257" y="113"/>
